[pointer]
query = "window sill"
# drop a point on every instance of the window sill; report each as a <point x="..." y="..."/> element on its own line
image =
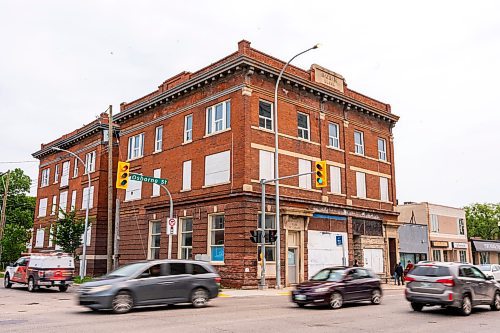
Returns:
<point x="135" y="158"/>
<point x="186" y="142"/>
<point x="335" y="148"/>
<point x="215" y="133"/>
<point x="217" y="263"/>
<point x="337" y="194"/>
<point x="186" y="190"/>
<point x="157" y="151"/>
<point x="129" y="200"/>
<point x="374" y="200"/>
<point x="213" y="185"/>
<point x="153" y="196"/>
<point x="262" y="129"/>
<point x="370" y="158"/>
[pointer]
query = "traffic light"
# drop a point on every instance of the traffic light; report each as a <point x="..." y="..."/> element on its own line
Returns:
<point x="320" y="174"/>
<point x="122" y="175"/>
<point x="271" y="236"/>
<point x="256" y="236"/>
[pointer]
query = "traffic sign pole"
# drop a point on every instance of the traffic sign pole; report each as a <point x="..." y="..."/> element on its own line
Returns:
<point x="171" y="216"/>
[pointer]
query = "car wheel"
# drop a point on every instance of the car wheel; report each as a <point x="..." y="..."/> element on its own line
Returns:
<point x="301" y="305"/>
<point x="466" y="306"/>
<point x="199" y="298"/>
<point x="495" y="306"/>
<point x="31" y="285"/>
<point x="122" y="302"/>
<point x="417" y="307"/>
<point x="336" y="301"/>
<point x="6" y="281"/>
<point x="376" y="297"/>
<point x="63" y="288"/>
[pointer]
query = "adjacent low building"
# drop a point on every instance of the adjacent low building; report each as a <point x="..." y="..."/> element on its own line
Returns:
<point x="485" y="251"/>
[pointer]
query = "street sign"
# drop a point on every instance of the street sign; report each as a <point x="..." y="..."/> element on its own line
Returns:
<point x="146" y="179"/>
<point x="339" y="240"/>
<point x="172" y="226"/>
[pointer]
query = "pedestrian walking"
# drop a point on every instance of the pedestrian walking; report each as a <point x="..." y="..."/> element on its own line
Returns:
<point x="399" y="274"/>
<point x="356" y="264"/>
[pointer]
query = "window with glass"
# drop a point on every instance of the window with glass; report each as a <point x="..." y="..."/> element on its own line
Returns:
<point x="462" y="255"/>
<point x="54" y="205"/>
<point x="382" y="153"/>
<point x="75" y="169"/>
<point x="158" y="138"/>
<point x="154" y="239"/>
<point x="303" y="125"/>
<point x="219" y="117"/>
<point x="484" y="258"/>
<point x="186" y="244"/>
<point x="333" y="135"/>
<point x="269" y="248"/>
<point x="436" y="255"/>
<point x="434" y="223"/>
<point x="42" y="207"/>
<point x="266" y="115"/>
<point x="217" y="238"/>
<point x="461" y="226"/>
<point x="45" y="177"/>
<point x="188" y="128"/>
<point x="90" y="162"/>
<point x="56" y="173"/>
<point x="359" y="144"/>
<point x="136" y="146"/>
<point x="65" y="174"/>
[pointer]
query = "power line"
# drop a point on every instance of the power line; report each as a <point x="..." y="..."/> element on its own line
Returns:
<point x="17" y="162"/>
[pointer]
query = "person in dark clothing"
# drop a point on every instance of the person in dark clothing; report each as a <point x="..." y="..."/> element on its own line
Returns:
<point x="399" y="274"/>
<point x="356" y="264"/>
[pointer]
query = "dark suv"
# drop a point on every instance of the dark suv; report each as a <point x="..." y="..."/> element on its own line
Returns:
<point x="455" y="285"/>
<point x="338" y="285"/>
<point x="152" y="283"/>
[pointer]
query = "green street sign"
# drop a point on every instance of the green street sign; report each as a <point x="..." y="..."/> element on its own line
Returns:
<point x="146" y="179"/>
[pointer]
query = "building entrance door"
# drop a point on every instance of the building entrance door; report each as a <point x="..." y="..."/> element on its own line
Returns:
<point x="293" y="265"/>
<point x="392" y="255"/>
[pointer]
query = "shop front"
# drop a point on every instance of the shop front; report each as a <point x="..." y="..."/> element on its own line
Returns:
<point x="485" y="252"/>
<point x="413" y="243"/>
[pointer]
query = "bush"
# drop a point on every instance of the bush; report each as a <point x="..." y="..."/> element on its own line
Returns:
<point x="79" y="280"/>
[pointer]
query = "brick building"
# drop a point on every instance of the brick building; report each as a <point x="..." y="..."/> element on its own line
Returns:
<point x="211" y="134"/>
<point x="62" y="185"/>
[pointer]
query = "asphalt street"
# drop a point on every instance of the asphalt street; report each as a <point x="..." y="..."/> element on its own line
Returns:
<point x="52" y="311"/>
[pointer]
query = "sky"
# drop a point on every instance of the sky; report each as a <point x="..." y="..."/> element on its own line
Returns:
<point x="437" y="63"/>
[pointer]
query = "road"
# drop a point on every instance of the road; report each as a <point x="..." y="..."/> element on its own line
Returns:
<point x="52" y="311"/>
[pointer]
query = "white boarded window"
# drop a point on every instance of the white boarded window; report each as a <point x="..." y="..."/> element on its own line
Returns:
<point x="63" y="203"/>
<point x="217" y="167"/>
<point x="90" y="162"/>
<point x="158" y="138"/>
<point x="65" y="174"/>
<point x="266" y="165"/>
<point x="384" y="189"/>
<point x="54" y="205"/>
<point x="134" y="190"/>
<point x="305" y="181"/>
<point x="85" y="195"/>
<point x="42" y="207"/>
<point x="40" y="237"/>
<point x="73" y="200"/>
<point x="335" y="182"/>
<point x="360" y="184"/>
<point x="156" y="188"/>
<point x="45" y="177"/>
<point x="186" y="175"/>
<point x="434" y="223"/>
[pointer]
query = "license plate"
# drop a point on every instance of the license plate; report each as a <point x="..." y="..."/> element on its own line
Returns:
<point x="57" y="282"/>
<point x="425" y="284"/>
<point x="300" y="297"/>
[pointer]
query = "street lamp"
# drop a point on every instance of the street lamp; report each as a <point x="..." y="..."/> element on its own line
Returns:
<point x="276" y="171"/>
<point x="83" y="265"/>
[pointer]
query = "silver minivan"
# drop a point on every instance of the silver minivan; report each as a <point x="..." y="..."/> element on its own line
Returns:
<point x="454" y="285"/>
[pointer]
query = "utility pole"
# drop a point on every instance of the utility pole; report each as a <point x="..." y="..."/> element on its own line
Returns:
<point x="4" y="206"/>
<point x="109" y="252"/>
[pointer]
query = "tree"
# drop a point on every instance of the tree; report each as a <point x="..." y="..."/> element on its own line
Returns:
<point x="68" y="232"/>
<point x="14" y="242"/>
<point x="483" y="220"/>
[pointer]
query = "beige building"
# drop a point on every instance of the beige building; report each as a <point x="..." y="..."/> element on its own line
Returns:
<point x="447" y="229"/>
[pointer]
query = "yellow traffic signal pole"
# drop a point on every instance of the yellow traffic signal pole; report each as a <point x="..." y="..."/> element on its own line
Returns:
<point x="171" y="215"/>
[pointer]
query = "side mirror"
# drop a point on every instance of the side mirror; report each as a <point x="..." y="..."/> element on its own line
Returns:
<point x="489" y="277"/>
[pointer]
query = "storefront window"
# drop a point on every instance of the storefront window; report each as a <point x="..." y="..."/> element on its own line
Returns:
<point x="436" y="255"/>
<point x="484" y="257"/>
<point x="463" y="256"/>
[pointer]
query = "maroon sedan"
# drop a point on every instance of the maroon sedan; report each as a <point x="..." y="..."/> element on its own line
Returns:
<point x="338" y="285"/>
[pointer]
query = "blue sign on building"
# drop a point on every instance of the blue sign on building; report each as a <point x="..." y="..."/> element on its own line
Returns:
<point x="339" y="240"/>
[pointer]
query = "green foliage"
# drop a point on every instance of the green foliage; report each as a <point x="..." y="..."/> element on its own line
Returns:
<point x="20" y="210"/>
<point x="68" y="232"/>
<point x="18" y="182"/>
<point x="14" y="242"/>
<point x="79" y="280"/>
<point x="483" y="220"/>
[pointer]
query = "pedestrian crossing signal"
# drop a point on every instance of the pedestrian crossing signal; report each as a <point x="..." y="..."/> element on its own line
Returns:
<point x="320" y="174"/>
<point x="122" y="175"/>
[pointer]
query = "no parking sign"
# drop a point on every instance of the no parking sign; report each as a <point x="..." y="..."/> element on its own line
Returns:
<point x="172" y="226"/>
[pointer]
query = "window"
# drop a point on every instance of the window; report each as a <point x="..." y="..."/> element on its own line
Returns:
<point x="178" y="268"/>
<point x="134" y="190"/>
<point x="45" y="177"/>
<point x="65" y="174"/>
<point x="51" y="236"/>
<point x="434" y="223"/>
<point x="154" y="240"/>
<point x="219" y="117"/>
<point x="436" y="255"/>
<point x="75" y="169"/>
<point x="90" y="162"/>
<point x="217" y="238"/>
<point x="270" y="249"/>
<point x="461" y="227"/>
<point x="303" y="125"/>
<point x="463" y="256"/>
<point x="359" y="145"/>
<point x="73" y="200"/>
<point x="56" y="173"/>
<point x="266" y="165"/>
<point x="484" y="257"/>
<point x="186" y="243"/>
<point x="158" y="138"/>
<point x="85" y="197"/>
<point x="63" y="203"/>
<point x="333" y="135"/>
<point x="54" y="205"/>
<point x="198" y="269"/>
<point x="382" y="152"/>
<point x="445" y="256"/>
<point x="384" y="189"/>
<point x="156" y="188"/>
<point x="136" y="146"/>
<point x="266" y="115"/>
<point x="360" y="184"/>
<point x="188" y="128"/>
<point x="335" y="181"/>
<point x="186" y="175"/>
<point x="305" y="180"/>
<point x="40" y="237"/>
<point x="217" y="168"/>
<point x="42" y="207"/>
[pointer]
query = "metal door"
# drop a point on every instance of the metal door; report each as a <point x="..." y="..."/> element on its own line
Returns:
<point x="293" y="265"/>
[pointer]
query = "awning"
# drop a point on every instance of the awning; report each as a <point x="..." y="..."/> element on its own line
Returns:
<point x="486" y="246"/>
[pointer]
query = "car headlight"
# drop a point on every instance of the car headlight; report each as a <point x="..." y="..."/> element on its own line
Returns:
<point x="98" y="289"/>
<point x="321" y="289"/>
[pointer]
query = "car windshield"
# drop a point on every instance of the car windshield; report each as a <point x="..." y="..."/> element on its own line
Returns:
<point x="430" y="270"/>
<point x="328" y="275"/>
<point x="485" y="268"/>
<point x="127" y="270"/>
